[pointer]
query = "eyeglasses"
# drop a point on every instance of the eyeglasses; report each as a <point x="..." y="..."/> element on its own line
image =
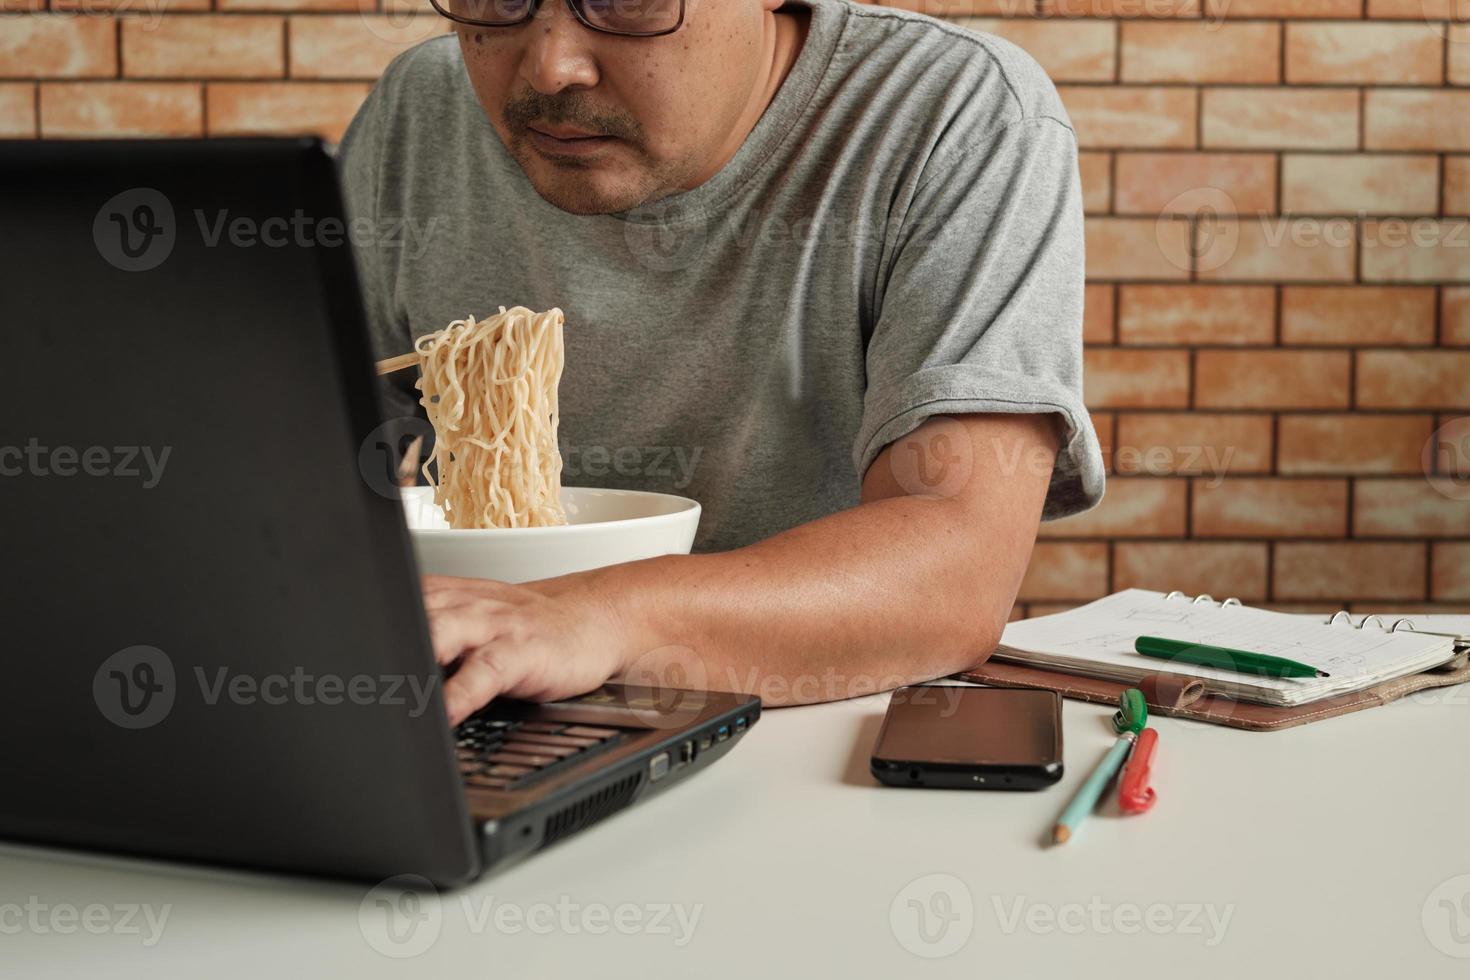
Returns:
<point x="626" y="18"/>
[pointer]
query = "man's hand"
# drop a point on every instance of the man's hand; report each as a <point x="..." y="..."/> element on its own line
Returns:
<point x="520" y="642"/>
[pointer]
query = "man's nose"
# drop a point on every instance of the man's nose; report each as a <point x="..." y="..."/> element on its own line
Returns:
<point x="559" y="55"/>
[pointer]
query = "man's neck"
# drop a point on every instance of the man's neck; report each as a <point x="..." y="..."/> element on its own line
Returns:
<point x="785" y="33"/>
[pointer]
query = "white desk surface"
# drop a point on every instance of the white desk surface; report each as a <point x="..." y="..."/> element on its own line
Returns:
<point x="1338" y="849"/>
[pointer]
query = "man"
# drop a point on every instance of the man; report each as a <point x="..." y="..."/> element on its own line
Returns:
<point x="822" y="271"/>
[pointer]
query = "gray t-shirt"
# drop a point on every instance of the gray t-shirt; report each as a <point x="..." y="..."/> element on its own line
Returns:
<point x="900" y="237"/>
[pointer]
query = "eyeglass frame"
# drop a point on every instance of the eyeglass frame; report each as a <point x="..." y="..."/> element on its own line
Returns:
<point x="575" y="6"/>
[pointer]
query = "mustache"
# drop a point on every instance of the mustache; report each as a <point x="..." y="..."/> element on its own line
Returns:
<point x="570" y="108"/>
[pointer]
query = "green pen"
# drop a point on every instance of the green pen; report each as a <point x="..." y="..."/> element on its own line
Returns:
<point x="1242" y="661"/>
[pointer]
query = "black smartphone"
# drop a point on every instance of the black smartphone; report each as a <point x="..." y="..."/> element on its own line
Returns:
<point x="946" y="737"/>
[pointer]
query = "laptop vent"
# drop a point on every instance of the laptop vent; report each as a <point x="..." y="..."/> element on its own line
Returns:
<point x="590" y="809"/>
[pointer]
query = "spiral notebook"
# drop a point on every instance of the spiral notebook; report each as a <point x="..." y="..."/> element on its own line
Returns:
<point x="1096" y="640"/>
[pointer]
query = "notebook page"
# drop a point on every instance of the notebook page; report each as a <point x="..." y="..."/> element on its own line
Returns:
<point x="1098" y="639"/>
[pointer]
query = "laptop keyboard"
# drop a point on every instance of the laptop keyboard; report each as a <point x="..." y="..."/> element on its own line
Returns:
<point x="498" y="753"/>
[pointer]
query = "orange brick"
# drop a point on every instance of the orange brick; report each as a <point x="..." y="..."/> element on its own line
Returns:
<point x="1068" y="50"/>
<point x="1200" y="51"/>
<point x="119" y="109"/>
<point x="1192" y="443"/>
<point x="1416" y="119"/>
<point x="1097" y="181"/>
<point x="1457" y="181"/>
<point x="355" y="46"/>
<point x="1066" y="570"/>
<point x="1270" y="508"/>
<point x="1157" y="183"/>
<point x="1133" y="508"/>
<point x="1448" y="454"/>
<point x="1281" y="118"/>
<point x="17" y="110"/>
<point x="1119" y="8"/>
<point x="203" y="46"/>
<point x="1271" y="379"/>
<point x="256" y="108"/>
<point x="1137" y="248"/>
<point x="1409" y="608"/>
<point x="1278" y="250"/>
<point x="1319" y="183"/>
<point x="1118" y="378"/>
<point x="1417" y="250"/>
<point x="1363" y="53"/>
<point x="1349" y="570"/>
<point x="1097" y="315"/>
<point x="58" y="46"/>
<point x="1294" y="9"/>
<point x="1450" y="571"/>
<point x="1413" y="379"/>
<point x="1197" y="315"/>
<point x="291" y="6"/>
<point x="1346" y="444"/>
<point x="1220" y="569"/>
<point x="1342" y="315"/>
<point x="1408" y="508"/>
<point x="148" y="10"/>
<point x="1454" y="316"/>
<point x="1424" y="10"/>
<point x="1459" y="51"/>
<point x="1131" y="117"/>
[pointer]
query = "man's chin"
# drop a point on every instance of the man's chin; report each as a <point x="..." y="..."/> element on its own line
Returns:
<point x="580" y="189"/>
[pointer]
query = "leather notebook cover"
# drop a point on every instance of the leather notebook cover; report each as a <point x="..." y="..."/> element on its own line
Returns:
<point x="1178" y="696"/>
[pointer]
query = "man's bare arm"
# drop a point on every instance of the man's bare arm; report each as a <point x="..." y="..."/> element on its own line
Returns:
<point x="914" y="583"/>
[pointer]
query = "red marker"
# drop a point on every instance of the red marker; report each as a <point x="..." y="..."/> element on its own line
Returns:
<point x="1135" y="795"/>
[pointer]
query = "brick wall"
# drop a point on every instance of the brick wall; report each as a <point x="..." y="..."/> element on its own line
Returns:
<point x="1278" y="249"/>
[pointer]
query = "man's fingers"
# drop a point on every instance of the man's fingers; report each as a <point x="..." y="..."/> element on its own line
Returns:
<point x="456" y="630"/>
<point x="485" y="674"/>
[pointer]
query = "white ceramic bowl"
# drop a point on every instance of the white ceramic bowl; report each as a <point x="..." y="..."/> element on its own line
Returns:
<point x="607" y="527"/>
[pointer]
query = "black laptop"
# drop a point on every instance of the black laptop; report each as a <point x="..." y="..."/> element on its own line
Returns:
<point x="215" y="646"/>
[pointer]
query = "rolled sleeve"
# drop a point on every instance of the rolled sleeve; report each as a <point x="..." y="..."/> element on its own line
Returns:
<point x="982" y="308"/>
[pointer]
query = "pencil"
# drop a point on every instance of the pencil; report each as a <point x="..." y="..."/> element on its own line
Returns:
<point x="1092" y="788"/>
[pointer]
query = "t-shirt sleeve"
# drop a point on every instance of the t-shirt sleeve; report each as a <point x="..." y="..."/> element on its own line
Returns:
<point x="981" y="310"/>
<point x="377" y="250"/>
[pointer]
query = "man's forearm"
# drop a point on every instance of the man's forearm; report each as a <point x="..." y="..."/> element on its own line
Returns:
<point x="907" y="586"/>
<point x="887" y="593"/>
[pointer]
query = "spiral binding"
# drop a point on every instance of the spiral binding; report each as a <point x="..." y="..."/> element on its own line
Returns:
<point x="1204" y="597"/>
<point x="1405" y="623"/>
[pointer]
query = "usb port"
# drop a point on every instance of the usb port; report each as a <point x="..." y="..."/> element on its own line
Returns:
<point x="739" y="725"/>
<point x="722" y="733"/>
<point x="705" y="743"/>
<point x="686" y="753"/>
